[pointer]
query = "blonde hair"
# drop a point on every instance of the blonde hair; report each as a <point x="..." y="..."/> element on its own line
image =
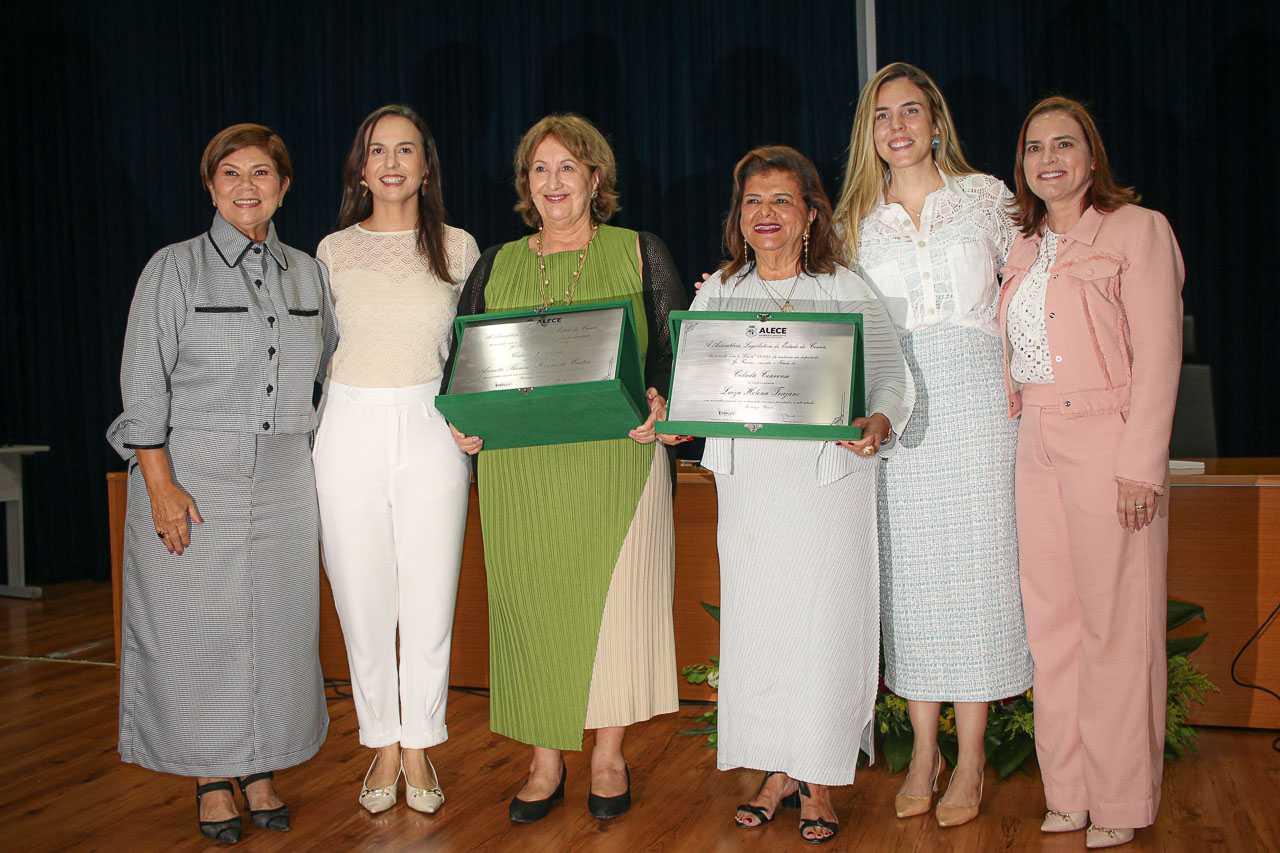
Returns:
<point x="587" y="145"/>
<point x="865" y="174"/>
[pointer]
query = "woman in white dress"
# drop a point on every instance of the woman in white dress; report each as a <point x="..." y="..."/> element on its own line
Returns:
<point x="797" y="536"/>
<point x="929" y="233"/>
<point x="392" y="484"/>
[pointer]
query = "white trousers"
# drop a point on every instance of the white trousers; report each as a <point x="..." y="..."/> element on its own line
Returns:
<point x="393" y="491"/>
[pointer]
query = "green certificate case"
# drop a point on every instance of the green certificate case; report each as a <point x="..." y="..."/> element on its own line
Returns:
<point x="555" y="411"/>
<point x="761" y="327"/>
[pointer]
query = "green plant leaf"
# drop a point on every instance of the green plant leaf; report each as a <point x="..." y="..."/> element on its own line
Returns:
<point x="1180" y="613"/>
<point x="1010" y="755"/>
<point x="897" y="750"/>
<point x="713" y="609"/>
<point x="704" y="730"/>
<point x="1183" y="645"/>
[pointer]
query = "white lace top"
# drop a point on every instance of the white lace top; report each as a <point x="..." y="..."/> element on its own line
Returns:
<point x="944" y="271"/>
<point x="1030" y="361"/>
<point x="395" y="317"/>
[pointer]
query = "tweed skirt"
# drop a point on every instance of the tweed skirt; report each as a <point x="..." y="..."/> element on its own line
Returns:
<point x="950" y="602"/>
<point x="220" y="669"/>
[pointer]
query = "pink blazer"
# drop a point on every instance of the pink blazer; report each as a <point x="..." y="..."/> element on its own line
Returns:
<point x="1113" y="309"/>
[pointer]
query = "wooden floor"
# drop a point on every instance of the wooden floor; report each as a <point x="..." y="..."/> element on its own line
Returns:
<point x="63" y="786"/>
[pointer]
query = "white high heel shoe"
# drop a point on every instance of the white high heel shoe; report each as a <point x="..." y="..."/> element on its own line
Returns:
<point x="377" y="800"/>
<point x="1064" y="821"/>
<point x="425" y="800"/>
<point x="1098" y="837"/>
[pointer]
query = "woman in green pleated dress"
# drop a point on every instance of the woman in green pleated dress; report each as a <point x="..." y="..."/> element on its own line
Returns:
<point x="578" y="538"/>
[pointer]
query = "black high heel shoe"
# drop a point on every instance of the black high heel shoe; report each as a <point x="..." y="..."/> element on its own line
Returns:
<point x="790" y="801"/>
<point x="528" y="811"/>
<point x="605" y="808"/>
<point x="817" y="822"/>
<point x="227" y="831"/>
<point x="276" y="819"/>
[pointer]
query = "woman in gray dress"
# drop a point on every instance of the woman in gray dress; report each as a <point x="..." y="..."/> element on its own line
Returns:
<point x="228" y="331"/>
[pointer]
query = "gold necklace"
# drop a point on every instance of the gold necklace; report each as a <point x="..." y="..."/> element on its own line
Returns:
<point x="544" y="281"/>
<point x="785" y="305"/>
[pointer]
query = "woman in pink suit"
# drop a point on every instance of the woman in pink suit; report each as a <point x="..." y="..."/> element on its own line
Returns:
<point x="1092" y="314"/>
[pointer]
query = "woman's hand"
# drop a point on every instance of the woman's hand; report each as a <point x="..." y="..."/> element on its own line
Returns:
<point x="1135" y="504"/>
<point x="468" y="444"/>
<point x="697" y="285"/>
<point x="171" y="506"/>
<point x="875" y="432"/>
<point x="644" y="433"/>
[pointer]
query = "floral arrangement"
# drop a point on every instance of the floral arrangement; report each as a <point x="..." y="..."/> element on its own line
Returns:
<point x="1010" y="735"/>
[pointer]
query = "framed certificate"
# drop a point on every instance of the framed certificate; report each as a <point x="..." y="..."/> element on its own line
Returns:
<point x="527" y="378"/>
<point x="762" y="375"/>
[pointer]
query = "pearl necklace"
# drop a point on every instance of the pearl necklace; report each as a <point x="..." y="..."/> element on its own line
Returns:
<point x="544" y="281"/>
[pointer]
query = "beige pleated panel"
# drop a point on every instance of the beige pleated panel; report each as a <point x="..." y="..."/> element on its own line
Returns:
<point x="634" y="676"/>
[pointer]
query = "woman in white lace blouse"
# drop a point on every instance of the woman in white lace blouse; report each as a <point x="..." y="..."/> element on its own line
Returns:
<point x="392" y="484"/>
<point x="928" y="233"/>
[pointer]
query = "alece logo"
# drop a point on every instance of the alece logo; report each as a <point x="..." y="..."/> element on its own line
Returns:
<point x="766" y="331"/>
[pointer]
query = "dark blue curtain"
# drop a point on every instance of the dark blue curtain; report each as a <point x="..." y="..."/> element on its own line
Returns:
<point x="109" y="105"/>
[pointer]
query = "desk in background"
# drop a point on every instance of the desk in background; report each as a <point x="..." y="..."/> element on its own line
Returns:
<point x="1224" y="553"/>
<point x="11" y="494"/>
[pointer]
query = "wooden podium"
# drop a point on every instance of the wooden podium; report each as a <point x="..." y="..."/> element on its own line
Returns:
<point x="1224" y="554"/>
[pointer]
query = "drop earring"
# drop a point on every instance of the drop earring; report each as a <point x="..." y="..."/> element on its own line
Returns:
<point x="806" y="253"/>
<point x="935" y="142"/>
<point x="364" y="192"/>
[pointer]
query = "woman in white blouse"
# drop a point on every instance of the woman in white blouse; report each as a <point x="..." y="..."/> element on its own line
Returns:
<point x="392" y="484"/>
<point x="929" y="234"/>
<point x="797" y="519"/>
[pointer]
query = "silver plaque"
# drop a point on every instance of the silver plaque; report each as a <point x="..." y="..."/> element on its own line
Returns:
<point x="775" y="371"/>
<point x="538" y="350"/>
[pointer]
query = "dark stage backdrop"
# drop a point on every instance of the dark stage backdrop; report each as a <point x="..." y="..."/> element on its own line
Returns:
<point x="108" y="107"/>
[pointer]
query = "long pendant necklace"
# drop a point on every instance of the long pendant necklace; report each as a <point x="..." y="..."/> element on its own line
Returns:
<point x="785" y="304"/>
<point x="544" y="281"/>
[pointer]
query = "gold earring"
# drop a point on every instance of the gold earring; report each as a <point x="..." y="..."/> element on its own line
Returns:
<point x="806" y="252"/>
<point x="364" y="192"/>
<point x="595" y="194"/>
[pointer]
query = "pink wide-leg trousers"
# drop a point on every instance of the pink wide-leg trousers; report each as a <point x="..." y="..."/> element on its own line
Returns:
<point x="1095" y="605"/>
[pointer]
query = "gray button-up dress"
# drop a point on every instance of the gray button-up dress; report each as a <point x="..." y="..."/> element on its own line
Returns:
<point x="219" y="671"/>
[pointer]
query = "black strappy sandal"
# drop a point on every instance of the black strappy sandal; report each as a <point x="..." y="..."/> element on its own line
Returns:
<point x="815" y="823"/>
<point x="791" y="801"/>
<point x="227" y="831"/>
<point x="276" y="819"/>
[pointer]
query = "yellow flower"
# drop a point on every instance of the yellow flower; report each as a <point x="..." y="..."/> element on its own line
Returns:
<point x="949" y="721"/>
<point x="1030" y="698"/>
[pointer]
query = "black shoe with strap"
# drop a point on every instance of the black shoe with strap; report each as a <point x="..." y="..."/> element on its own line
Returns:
<point x="817" y="822"/>
<point x="227" y="831"/>
<point x="528" y="811"/>
<point x="791" y="801"/>
<point x="605" y="808"/>
<point x="276" y="819"/>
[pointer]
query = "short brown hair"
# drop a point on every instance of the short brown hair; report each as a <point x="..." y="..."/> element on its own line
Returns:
<point x="1028" y="210"/>
<point x="824" y="249"/>
<point x="587" y="145"/>
<point x="230" y="140"/>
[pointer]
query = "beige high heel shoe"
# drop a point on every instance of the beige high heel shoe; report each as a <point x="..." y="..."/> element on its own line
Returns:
<point x="909" y="805"/>
<point x="1064" y="821"/>
<point x="949" y="815"/>
<point x="1098" y="837"/>
<point x="425" y="800"/>
<point x="377" y="800"/>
